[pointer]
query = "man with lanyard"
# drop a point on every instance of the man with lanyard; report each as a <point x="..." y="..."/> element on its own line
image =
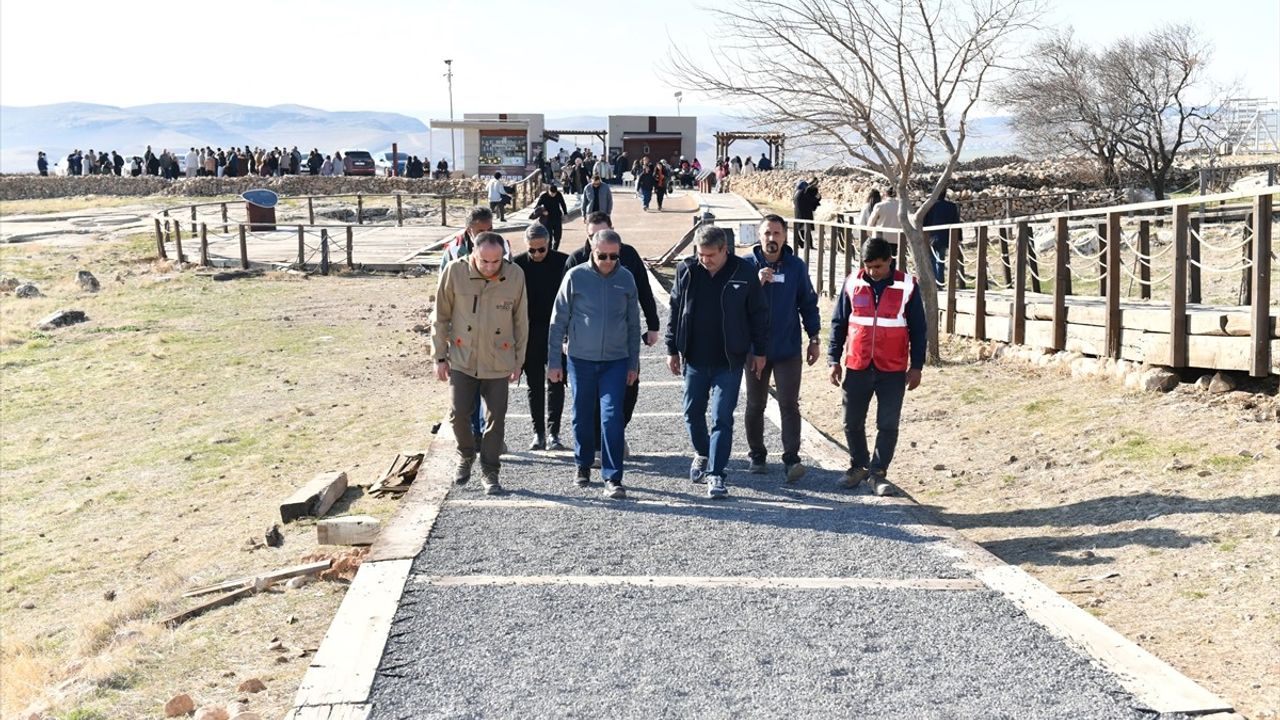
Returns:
<point x="878" y="342"/>
<point x="543" y="272"/>
<point x="630" y="260"/>
<point x="597" y="316"/>
<point x="719" y="320"/>
<point x="480" y="331"/>
<point x="787" y="287"/>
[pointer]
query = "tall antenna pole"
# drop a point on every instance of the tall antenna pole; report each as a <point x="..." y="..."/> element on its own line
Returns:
<point x="453" y="148"/>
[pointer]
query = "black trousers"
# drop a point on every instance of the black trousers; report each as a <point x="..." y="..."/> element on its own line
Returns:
<point x="546" y="400"/>
<point x="555" y="228"/>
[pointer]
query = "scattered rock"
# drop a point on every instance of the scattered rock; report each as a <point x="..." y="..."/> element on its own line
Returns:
<point x="282" y="659"/>
<point x="235" y="707"/>
<point x="291" y="620"/>
<point x="28" y="605"/>
<point x="109" y="595"/>
<point x="9" y="284"/>
<point x="123" y="635"/>
<point x="212" y="712"/>
<point x="1221" y="383"/>
<point x="273" y="536"/>
<point x="247" y="716"/>
<point x="1178" y="464"/>
<point x="277" y="646"/>
<point x="252" y="685"/>
<point x="1203" y="382"/>
<point x="1204" y="473"/>
<point x="1245" y="454"/>
<point x="27" y="290"/>
<point x="1012" y="459"/>
<point x="1086" y="555"/>
<point x="87" y="281"/>
<point x="295" y="583"/>
<point x="179" y="705"/>
<point x="1158" y="380"/>
<point x="939" y="467"/>
<point x="62" y="318"/>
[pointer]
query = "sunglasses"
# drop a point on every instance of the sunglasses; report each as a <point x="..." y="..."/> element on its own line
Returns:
<point x="607" y="256"/>
<point x="537" y="250"/>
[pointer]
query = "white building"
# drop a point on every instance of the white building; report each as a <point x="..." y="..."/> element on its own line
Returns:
<point x="497" y="142"/>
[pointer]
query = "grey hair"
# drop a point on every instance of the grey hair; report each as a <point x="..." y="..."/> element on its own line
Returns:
<point x="535" y="231"/>
<point x="607" y="237"/>
<point x="489" y="238"/>
<point x="711" y="236"/>
<point x="477" y="214"/>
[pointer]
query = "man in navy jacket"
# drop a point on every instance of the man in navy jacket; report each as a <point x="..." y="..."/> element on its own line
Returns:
<point x="719" y="319"/>
<point x="792" y="302"/>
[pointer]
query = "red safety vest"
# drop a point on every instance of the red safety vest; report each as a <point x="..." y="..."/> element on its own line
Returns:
<point x="878" y="333"/>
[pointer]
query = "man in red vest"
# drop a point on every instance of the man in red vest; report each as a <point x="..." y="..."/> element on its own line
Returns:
<point x="878" y="342"/>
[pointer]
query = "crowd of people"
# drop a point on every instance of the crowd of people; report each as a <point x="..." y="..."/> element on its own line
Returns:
<point x="580" y="318"/>
<point x="211" y="162"/>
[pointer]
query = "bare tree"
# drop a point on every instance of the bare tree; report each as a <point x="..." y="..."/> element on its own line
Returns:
<point x="1059" y="107"/>
<point x="1127" y="106"/>
<point x="884" y="83"/>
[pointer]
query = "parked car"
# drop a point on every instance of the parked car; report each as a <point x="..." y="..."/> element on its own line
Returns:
<point x="358" y="162"/>
<point x="383" y="162"/>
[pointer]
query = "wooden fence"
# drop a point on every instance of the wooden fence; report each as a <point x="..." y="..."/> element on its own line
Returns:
<point x="1180" y="283"/>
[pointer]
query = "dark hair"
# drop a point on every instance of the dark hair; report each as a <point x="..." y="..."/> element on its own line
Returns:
<point x="891" y="191"/>
<point x="772" y="218"/>
<point x="489" y="238"/>
<point x="598" y="217"/>
<point x="877" y="249"/>
<point x="497" y="175"/>
<point x="477" y="214"/>
<point x="710" y="236"/>
<point x="873" y="197"/>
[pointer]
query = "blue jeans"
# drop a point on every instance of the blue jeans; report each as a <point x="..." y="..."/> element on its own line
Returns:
<point x="603" y="383"/>
<point x="646" y="194"/>
<point x="720" y="385"/>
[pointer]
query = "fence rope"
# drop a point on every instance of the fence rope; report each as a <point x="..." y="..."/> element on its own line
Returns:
<point x="1218" y="248"/>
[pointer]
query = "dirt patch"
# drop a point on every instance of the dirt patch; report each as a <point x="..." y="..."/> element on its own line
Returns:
<point x="144" y="449"/>
<point x="1074" y="481"/>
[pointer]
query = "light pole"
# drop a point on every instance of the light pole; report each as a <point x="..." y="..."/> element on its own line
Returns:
<point x="453" y="148"/>
<point x="679" y="94"/>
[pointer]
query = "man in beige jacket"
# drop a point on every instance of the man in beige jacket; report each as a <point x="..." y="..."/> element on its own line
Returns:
<point x="480" y="333"/>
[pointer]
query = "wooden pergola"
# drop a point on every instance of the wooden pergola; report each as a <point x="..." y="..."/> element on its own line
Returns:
<point x="775" y="140"/>
<point x="554" y="135"/>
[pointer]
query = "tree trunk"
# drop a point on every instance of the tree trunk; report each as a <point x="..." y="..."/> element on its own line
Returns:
<point x="926" y="284"/>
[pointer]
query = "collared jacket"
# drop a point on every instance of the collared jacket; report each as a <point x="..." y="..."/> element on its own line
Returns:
<point x="792" y="301"/>
<point x="600" y="316"/>
<point x="632" y="261"/>
<point x="481" y="326"/>
<point x="745" y="311"/>
<point x="597" y="198"/>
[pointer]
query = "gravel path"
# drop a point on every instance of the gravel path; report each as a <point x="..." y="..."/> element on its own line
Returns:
<point x="616" y="651"/>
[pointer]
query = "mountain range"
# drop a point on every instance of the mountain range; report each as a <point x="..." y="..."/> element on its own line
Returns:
<point x="58" y="129"/>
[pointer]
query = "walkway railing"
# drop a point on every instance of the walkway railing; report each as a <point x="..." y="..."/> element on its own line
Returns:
<point x="1099" y="280"/>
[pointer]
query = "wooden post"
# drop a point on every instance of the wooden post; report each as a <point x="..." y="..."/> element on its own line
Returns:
<point x="350" y="247"/>
<point x="1178" y="289"/>
<point x="1006" y="265"/>
<point x="177" y="240"/>
<point x="302" y="250"/>
<point x="225" y="228"/>
<point x="1061" y="281"/>
<point x="1102" y="259"/>
<point x="1020" y="284"/>
<point x="1193" y="257"/>
<point x="822" y="252"/>
<point x="204" y="245"/>
<point x="324" y="251"/>
<point x="160" y="252"/>
<point x="980" y="287"/>
<point x="444" y="211"/>
<point x="1144" y="259"/>
<point x="1033" y="264"/>
<point x="1260" y="359"/>
<point x="311" y="211"/>
<point x="1245" y="296"/>
<point x="244" y="250"/>
<point x="806" y="231"/>
<point x="831" y="266"/>
<point x="953" y="274"/>
<point x="399" y="210"/>
<point x="193" y="219"/>
<point x="1113" y="285"/>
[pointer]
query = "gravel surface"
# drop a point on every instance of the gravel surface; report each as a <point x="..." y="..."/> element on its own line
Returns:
<point x="717" y="653"/>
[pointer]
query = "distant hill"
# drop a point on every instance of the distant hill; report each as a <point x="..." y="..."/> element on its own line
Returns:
<point x="57" y="129"/>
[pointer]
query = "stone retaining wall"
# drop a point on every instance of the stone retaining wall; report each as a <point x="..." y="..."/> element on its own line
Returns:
<point x="31" y="187"/>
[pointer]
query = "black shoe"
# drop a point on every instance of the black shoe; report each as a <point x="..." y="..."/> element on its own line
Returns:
<point x="614" y="490"/>
<point x="538" y="443"/>
<point x="584" y="477"/>
<point x="555" y="443"/>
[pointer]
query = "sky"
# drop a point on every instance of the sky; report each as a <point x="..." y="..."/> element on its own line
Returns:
<point x="557" y="58"/>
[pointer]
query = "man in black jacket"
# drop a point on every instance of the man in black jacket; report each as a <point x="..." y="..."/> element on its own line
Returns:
<point x="719" y="319"/>
<point x="630" y="259"/>
<point x="543" y="271"/>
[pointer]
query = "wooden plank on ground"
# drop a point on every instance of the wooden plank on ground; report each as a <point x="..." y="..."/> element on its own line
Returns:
<point x="343" y="669"/>
<point x="181" y="617"/>
<point x="347" y="530"/>
<point x="1151" y="680"/>
<point x="268" y="578"/>
<point x="315" y="498"/>
<point x="407" y="531"/>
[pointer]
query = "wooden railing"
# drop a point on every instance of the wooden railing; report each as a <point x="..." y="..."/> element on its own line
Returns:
<point x="1213" y="278"/>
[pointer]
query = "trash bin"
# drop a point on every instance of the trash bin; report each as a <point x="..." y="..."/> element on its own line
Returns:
<point x="260" y="207"/>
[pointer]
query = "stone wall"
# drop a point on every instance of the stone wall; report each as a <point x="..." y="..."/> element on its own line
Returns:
<point x="1009" y="190"/>
<point x="32" y="187"/>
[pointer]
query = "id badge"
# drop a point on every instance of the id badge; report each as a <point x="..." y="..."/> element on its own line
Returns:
<point x="779" y="277"/>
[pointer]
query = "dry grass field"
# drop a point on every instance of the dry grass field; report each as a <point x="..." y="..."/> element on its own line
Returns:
<point x="143" y="448"/>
